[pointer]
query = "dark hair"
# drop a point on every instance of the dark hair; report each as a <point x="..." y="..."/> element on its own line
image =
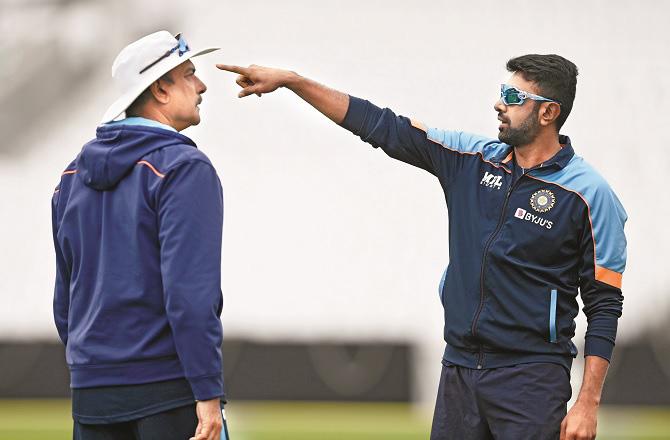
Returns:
<point x="555" y="76"/>
<point x="137" y="105"/>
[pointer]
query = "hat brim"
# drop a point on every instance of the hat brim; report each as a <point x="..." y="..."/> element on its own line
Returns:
<point x="152" y="74"/>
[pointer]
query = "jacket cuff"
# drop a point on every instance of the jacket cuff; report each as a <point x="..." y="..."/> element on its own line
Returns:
<point x="207" y="387"/>
<point x="597" y="346"/>
<point x="353" y="120"/>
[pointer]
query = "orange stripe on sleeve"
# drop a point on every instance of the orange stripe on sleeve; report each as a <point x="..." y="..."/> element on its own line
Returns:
<point x="420" y="125"/>
<point x="608" y="276"/>
<point x="69" y="172"/>
<point x="144" y="162"/>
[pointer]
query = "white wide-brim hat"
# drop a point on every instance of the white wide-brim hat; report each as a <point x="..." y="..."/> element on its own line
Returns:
<point x="144" y="61"/>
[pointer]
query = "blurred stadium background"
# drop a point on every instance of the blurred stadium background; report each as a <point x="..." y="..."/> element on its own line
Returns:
<point x="333" y="252"/>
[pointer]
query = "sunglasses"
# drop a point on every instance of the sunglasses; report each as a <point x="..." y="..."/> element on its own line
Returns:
<point x="182" y="46"/>
<point x="512" y="96"/>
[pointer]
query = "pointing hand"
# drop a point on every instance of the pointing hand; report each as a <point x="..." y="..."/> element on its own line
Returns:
<point x="258" y="79"/>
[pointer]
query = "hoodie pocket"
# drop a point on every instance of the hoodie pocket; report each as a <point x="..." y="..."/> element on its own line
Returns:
<point x="552" y="315"/>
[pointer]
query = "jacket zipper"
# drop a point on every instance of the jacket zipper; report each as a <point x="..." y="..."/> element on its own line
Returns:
<point x="473" y="329"/>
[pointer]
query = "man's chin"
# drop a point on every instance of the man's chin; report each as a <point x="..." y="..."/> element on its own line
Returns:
<point x="509" y="137"/>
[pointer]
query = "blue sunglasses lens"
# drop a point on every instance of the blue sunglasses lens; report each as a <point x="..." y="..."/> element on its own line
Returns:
<point x="511" y="96"/>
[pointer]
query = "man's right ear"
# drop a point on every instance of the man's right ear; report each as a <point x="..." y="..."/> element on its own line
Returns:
<point x="159" y="92"/>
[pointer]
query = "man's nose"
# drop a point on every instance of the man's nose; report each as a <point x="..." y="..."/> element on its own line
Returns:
<point x="202" y="88"/>
<point x="499" y="106"/>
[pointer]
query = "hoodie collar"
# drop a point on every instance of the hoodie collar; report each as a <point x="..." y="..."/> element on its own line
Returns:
<point x="107" y="159"/>
<point x="138" y="120"/>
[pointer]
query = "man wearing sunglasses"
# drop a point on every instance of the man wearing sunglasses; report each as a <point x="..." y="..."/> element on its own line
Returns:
<point x="137" y="220"/>
<point x="531" y="226"/>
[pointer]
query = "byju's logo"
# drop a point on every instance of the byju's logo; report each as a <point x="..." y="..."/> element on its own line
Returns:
<point x="491" y="181"/>
<point x="527" y="216"/>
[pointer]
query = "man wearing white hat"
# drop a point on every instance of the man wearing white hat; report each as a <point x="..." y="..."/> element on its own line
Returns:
<point x="137" y="221"/>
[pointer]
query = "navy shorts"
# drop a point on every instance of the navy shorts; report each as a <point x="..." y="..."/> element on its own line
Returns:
<point x="525" y="401"/>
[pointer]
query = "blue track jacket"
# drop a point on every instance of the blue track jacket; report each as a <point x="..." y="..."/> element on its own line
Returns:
<point x="137" y="221"/>
<point x="521" y="246"/>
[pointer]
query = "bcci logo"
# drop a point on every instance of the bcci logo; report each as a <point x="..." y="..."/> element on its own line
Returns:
<point x="542" y="200"/>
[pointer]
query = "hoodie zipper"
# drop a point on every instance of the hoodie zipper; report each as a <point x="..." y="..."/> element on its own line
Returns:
<point x="473" y="329"/>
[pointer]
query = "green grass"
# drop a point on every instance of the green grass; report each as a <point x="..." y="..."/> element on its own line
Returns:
<point x="326" y="421"/>
<point x="50" y="419"/>
<point x="35" y="419"/>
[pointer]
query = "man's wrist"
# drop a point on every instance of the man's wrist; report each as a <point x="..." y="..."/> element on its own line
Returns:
<point x="292" y="80"/>
<point x="588" y="399"/>
<point x="208" y="400"/>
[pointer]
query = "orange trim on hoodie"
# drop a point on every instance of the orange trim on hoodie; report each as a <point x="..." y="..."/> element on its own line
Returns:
<point x="144" y="162"/>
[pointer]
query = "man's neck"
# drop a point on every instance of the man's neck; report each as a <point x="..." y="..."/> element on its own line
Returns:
<point x="543" y="148"/>
<point x="156" y="115"/>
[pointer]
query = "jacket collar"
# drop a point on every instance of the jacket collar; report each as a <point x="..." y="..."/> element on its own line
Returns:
<point x="559" y="160"/>
<point x="565" y="154"/>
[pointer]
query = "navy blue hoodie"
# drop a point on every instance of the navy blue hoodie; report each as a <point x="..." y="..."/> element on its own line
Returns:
<point x="137" y="223"/>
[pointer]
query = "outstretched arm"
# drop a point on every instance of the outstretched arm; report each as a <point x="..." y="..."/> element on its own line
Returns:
<point x="258" y="80"/>
<point x="436" y="151"/>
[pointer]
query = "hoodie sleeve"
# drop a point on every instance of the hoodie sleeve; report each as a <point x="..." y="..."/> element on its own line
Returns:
<point x="440" y="152"/>
<point x="61" y="302"/>
<point x="190" y="215"/>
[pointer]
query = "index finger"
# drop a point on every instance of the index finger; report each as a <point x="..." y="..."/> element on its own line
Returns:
<point x="234" y="69"/>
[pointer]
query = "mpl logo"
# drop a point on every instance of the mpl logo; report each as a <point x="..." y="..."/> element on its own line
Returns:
<point x="491" y="181"/>
<point x="527" y="216"/>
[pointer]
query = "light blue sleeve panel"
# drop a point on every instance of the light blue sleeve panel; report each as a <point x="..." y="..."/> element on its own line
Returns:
<point x="608" y="216"/>
<point x="440" y="152"/>
<point x="467" y="143"/>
